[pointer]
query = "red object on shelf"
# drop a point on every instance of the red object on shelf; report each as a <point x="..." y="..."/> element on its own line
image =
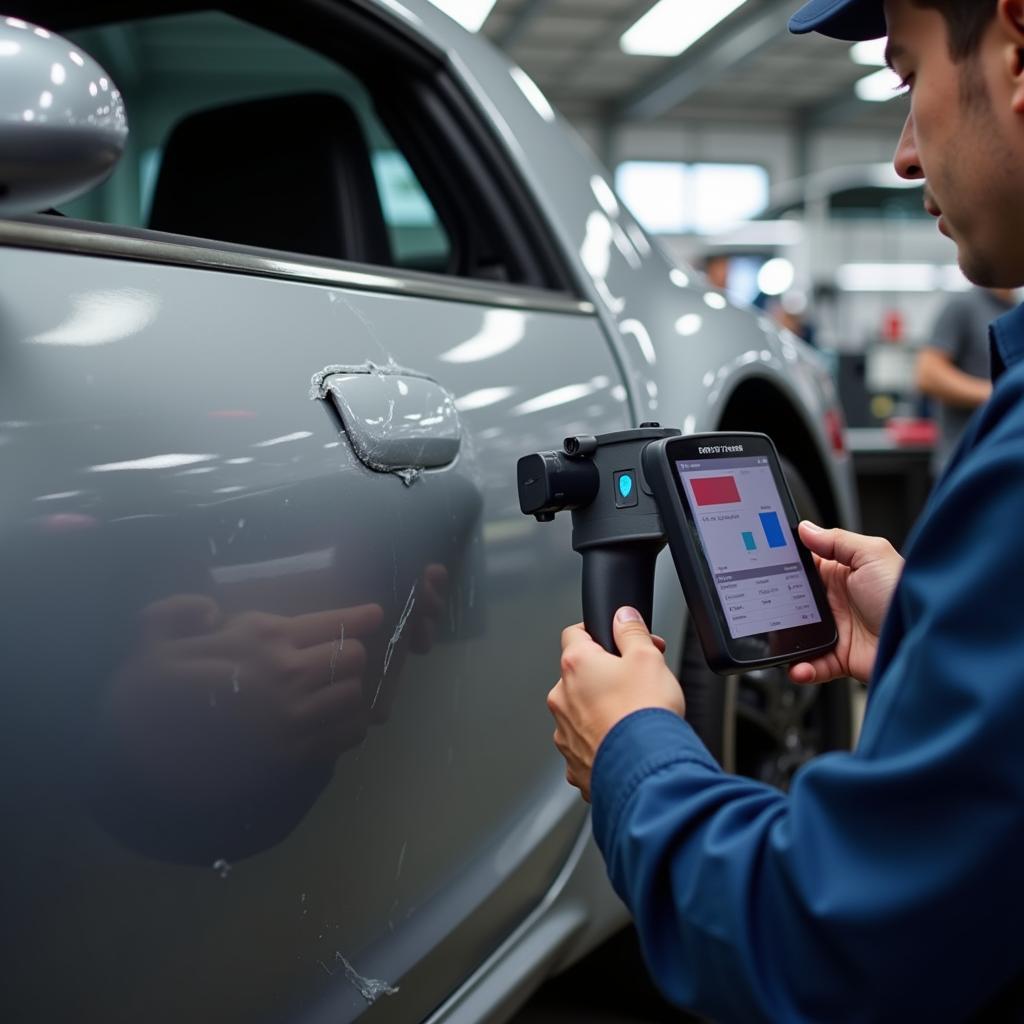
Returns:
<point x="835" y="428"/>
<point x="892" y="325"/>
<point x="909" y="431"/>
<point x="715" y="490"/>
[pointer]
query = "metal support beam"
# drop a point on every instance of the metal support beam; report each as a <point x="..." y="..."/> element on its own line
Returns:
<point x="692" y="70"/>
<point x="606" y="142"/>
<point x="609" y="37"/>
<point x="840" y="109"/>
<point x="831" y="113"/>
<point x="520" y="23"/>
<point x="801" y="148"/>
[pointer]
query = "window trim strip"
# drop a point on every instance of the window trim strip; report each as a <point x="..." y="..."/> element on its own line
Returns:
<point x="176" y="250"/>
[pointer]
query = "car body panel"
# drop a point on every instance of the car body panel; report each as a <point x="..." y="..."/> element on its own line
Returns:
<point x="162" y="451"/>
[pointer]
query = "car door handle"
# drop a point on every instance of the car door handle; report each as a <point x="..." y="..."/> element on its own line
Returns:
<point x="395" y="419"/>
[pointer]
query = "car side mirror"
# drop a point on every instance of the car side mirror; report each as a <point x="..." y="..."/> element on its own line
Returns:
<point x="62" y="120"/>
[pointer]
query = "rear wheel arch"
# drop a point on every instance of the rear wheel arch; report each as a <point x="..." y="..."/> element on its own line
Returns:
<point x="758" y="404"/>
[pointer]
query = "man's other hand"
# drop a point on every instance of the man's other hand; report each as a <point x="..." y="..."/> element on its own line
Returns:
<point x="598" y="689"/>
<point x="860" y="574"/>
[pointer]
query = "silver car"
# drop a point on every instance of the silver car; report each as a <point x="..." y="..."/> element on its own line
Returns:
<point x="274" y="636"/>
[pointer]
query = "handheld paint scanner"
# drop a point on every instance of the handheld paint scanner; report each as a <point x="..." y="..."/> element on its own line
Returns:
<point x="616" y="525"/>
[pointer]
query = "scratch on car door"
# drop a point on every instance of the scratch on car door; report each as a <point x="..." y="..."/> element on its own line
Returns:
<point x="371" y="989"/>
<point x="393" y="642"/>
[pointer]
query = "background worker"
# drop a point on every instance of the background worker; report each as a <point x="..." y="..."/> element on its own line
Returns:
<point x="886" y="885"/>
<point x="716" y="269"/>
<point x="954" y="369"/>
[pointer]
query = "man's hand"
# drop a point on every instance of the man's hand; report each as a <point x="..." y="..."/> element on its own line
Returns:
<point x="860" y="574"/>
<point x="598" y="689"/>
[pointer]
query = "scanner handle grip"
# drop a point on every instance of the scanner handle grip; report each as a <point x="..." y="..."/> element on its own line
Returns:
<point x="615" y="575"/>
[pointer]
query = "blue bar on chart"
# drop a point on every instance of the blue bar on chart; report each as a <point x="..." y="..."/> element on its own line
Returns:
<point x="748" y="541"/>
<point x="772" y="529"/>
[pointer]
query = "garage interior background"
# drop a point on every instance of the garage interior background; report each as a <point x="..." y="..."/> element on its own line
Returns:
<point x="730" y="137"/>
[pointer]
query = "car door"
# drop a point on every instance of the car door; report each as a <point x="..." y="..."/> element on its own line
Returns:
<point x="276" y="638"/>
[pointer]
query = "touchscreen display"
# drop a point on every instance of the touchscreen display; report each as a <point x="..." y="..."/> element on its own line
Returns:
<point x="748" y="544"/>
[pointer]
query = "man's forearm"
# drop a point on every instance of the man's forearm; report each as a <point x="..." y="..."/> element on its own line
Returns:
<point x="938" y="378"/>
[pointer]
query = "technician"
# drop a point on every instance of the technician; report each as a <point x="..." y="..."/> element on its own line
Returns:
<point x="954" y="367"/>
<point x="889" y="883"/>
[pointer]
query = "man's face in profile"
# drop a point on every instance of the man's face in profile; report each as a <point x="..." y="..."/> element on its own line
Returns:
<point x="964" y="136"/>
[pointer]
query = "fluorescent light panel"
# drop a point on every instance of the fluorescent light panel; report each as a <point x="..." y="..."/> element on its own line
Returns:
<point x="671" y="26"/>
<point x="776" y="276"/>
<point x="879" y="87"/>
<point x="469" y="14"/>
<point x="900" y="277"/>
<point x="871" y="52"/>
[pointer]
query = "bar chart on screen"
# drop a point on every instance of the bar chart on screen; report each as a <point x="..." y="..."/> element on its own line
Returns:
<point x="749" y="545"/>
<point x="738" y="515"/>
<point x="716" y="490"/>
<point x="772" y="529"/>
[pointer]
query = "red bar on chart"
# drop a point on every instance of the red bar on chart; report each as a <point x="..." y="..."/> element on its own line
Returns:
<point x="715" y="490"/>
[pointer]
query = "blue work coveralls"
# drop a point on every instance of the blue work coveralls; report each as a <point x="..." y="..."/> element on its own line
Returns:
<point x="889" y="883"/>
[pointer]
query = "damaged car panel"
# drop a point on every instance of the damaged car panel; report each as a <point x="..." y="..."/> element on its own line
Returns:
<point x="272" y="657"/>
<point x="419" y="430"/>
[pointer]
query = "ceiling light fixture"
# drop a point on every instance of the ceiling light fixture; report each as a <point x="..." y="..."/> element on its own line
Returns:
<point x="671" y="26"/>
<point x="900" y="277"/>
<point x="776" y="276"/>
<point x="879" y="87"/>
<point x="870" y="52"/>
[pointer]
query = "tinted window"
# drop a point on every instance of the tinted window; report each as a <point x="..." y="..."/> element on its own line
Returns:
<point x="172" y="68"/>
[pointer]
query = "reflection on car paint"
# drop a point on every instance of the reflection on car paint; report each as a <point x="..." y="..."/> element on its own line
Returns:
<point x="264" y="704"/>
<point x="533" y="94"/>
<point x="298" y="435"/>
<point x="501" y="331"/>
<point x="102" y="317"/>
<point x="167" y="461"/>
<point x="481" y="399"/>
<point x="689" y="324"/>
<point x="638" y="331"/>
<point x="560" y="396"/>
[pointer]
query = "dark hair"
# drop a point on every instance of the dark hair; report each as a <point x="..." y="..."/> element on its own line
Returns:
<point x="966" y="22"/>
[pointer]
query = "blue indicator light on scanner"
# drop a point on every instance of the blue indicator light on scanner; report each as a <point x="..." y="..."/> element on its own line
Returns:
<point x="625" y="485"/>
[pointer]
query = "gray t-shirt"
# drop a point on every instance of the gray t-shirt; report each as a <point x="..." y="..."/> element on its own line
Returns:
<point x="961" y="331"/>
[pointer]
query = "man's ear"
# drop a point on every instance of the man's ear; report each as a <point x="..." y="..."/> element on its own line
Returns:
<point x="1010" y="19"/>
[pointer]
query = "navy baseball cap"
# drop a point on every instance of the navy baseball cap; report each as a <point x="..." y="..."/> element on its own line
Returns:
<point x="841" y="19"/>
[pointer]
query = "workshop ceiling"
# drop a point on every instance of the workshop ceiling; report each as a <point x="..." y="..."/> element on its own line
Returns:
<point x="746" y="69"/>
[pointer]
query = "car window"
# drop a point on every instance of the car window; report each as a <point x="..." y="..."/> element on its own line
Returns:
<point x="173" y="69"/>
